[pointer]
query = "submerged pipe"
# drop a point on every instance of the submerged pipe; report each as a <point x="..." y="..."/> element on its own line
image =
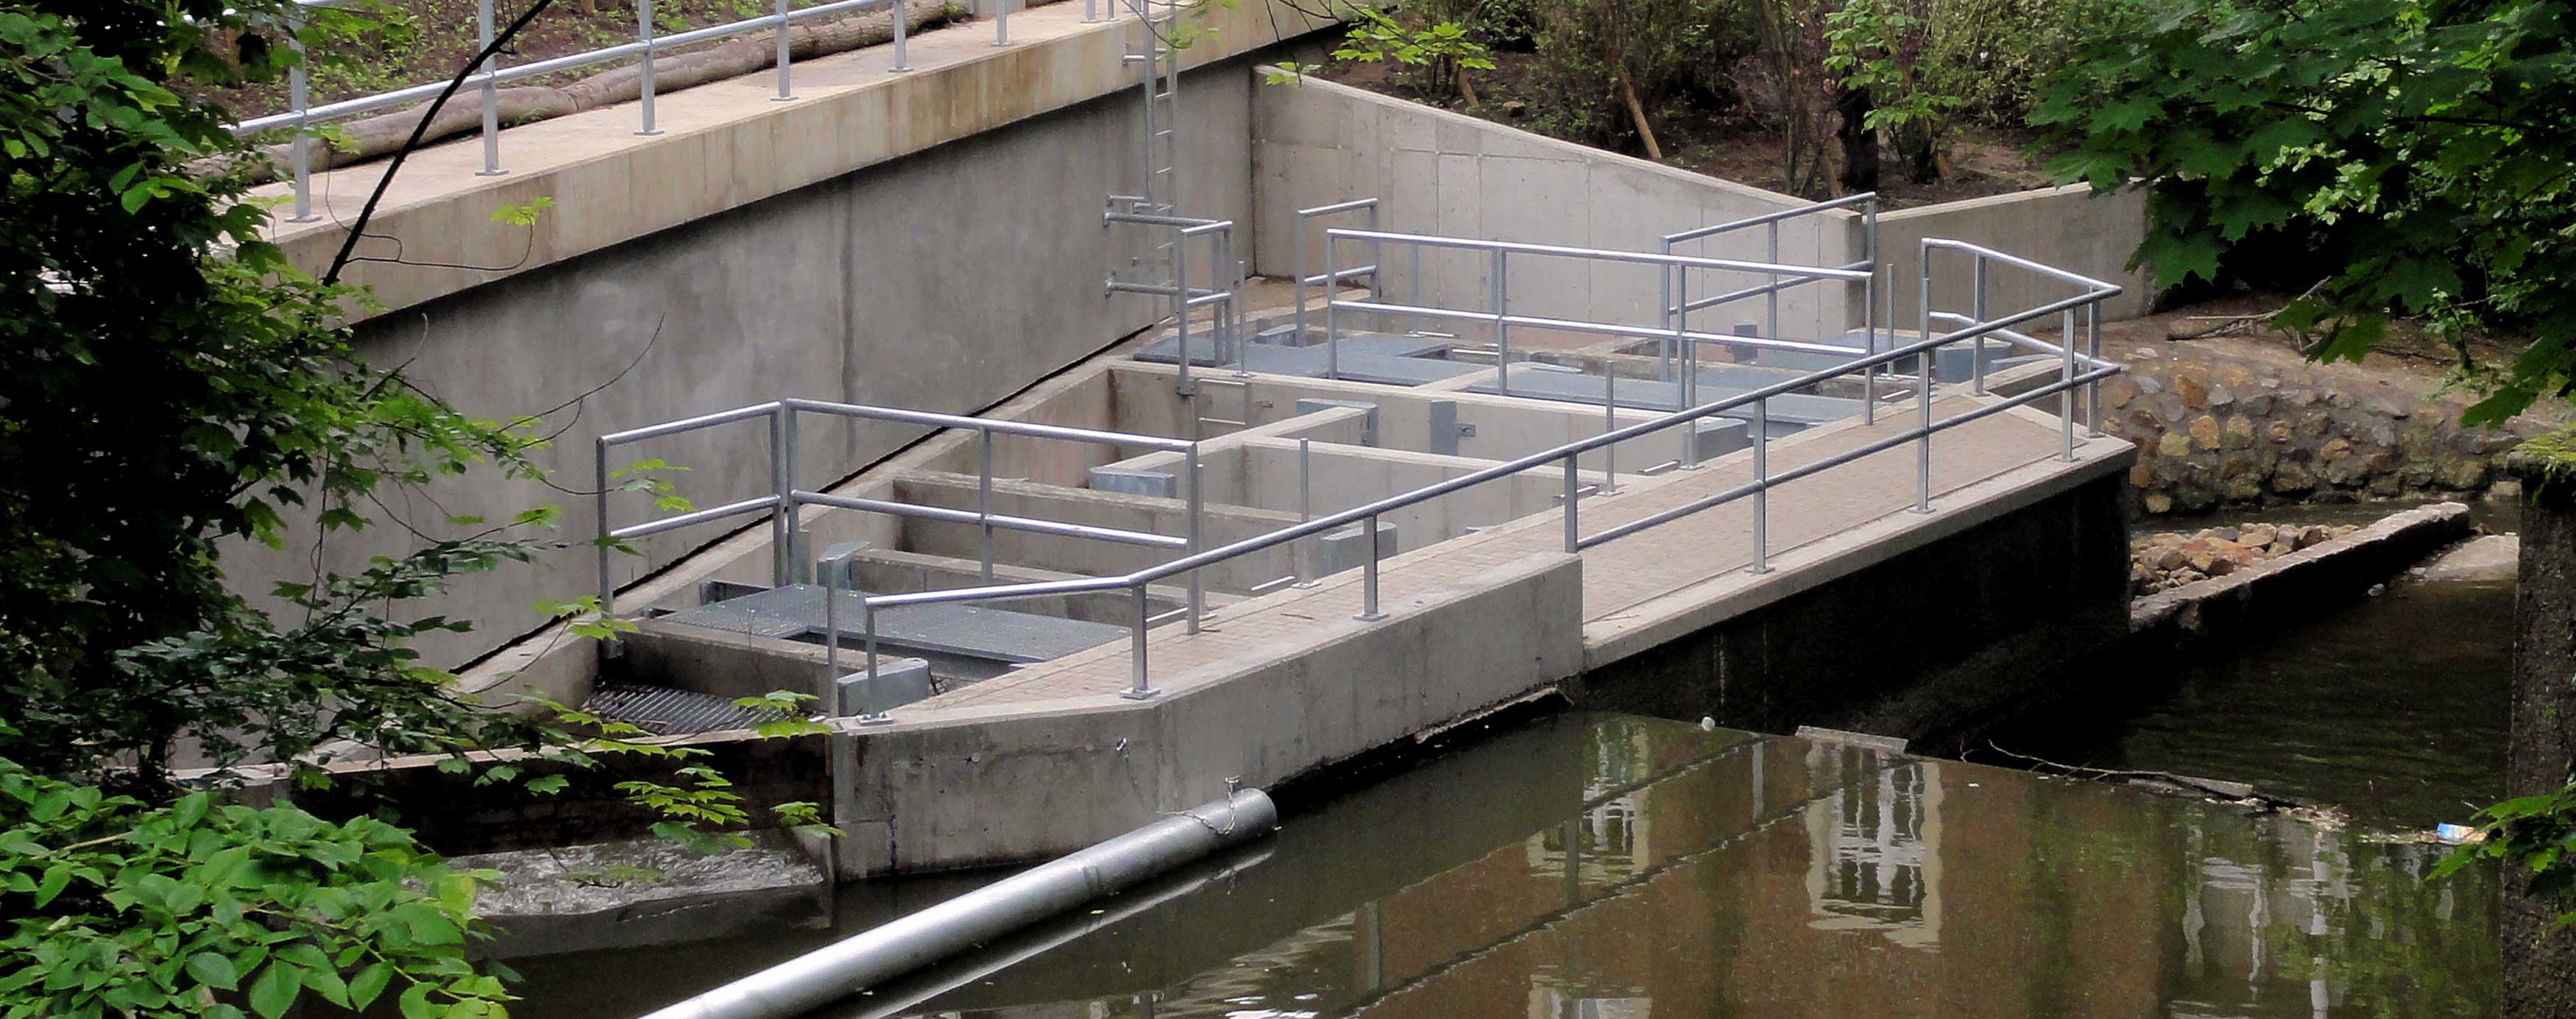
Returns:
<point x="889" y="950"/>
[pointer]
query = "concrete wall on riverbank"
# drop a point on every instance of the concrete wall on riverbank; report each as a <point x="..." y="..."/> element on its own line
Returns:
<point x="943" y="280"/>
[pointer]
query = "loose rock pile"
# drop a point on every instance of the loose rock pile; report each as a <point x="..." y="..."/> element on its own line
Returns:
<point x="2160" y="562"/>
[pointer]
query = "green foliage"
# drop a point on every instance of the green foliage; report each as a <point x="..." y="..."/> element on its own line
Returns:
<point x="169" y="383"/>
<point x="2415" y="156"/>
<point x="1882" y="47"/>
<point x="2534" y="833"/>
<point x="1436" y="51"/>
<point x="191" y="909"/>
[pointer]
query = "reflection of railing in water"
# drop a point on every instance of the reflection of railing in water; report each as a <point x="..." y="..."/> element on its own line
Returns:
<point x="1869" y="852"/>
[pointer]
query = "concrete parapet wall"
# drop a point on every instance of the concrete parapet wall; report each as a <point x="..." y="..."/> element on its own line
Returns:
<point x="946" y="789"/>
<point x="2068" y="227"/>
<point x="1433" y="171"/>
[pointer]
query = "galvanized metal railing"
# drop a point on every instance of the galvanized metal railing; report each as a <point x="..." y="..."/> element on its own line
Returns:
<point x="1332" y="281"/>
<point x="1677" y="303"/>
<point x="785" y="497"/>
<point x="301" y="115"/>
<point x="1184" y="298"/>
<point x="2078" y="371"/>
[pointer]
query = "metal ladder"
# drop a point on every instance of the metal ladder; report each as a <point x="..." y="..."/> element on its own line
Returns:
<point x="1159" y="193"/>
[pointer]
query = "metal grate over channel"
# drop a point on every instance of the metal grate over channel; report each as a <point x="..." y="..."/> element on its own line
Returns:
<point x="969" y="631"/>
<point x="661" y="709"/>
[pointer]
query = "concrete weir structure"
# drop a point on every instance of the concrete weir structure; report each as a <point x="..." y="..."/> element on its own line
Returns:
<point x="1082" y="524"/>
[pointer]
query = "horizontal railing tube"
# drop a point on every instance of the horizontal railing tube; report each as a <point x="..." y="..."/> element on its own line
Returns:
<point x="1607" y="328"/>
<point x="540" y="68"/>
<point x="1846" y="201"/>
<point x="997" y="425"/>
<point x="1599" y="254"/>
<point x="689" y="424"/>
<point x="864" y="961"/>
<point x="2019" y="262"/>
<point x="998" y="520"/>
<point x="731" y="509"/>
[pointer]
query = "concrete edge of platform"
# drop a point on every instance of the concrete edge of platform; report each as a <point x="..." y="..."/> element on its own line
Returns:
<point x="989" y="784"/>
<point x="1796" y="570"/>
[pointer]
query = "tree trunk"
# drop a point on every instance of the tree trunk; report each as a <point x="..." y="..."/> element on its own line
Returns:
<point x="1860" y="143"/>
<point x="382" y="134"/>
<point x="2539" y="962"/>
<point x="1922" y="158"/>
<point x="1466" y="89"/>
<point x="1637" y="111"/>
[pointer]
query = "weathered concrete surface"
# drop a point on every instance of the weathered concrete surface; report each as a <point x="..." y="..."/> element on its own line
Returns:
<point x="1437" y="172"/>
<point x="954" y="783"/>
<point x="821" y="266"/>
<point x="2489" y="558"/>
<point x="2067" y="227"/>
<point x="1316" y="143"/>
<point x="2540" y="955"/>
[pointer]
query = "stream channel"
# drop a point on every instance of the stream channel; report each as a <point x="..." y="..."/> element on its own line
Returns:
<point x="1597" y="866"/>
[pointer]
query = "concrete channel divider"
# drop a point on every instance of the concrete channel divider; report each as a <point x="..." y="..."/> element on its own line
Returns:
<point x="893" y="949"/>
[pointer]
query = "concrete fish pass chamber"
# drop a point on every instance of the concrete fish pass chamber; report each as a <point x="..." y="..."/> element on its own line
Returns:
<point x="1289" y="529"/>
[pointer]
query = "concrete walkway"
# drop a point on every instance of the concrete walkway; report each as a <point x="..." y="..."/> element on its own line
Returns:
<point x="1628" y="584"/>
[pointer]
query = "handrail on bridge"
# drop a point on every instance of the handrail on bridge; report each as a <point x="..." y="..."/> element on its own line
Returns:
<point x="1332" y="281"/>
<point x="2077" y="370"/>
<point x="785" y="497"/>
<point x="1677" y="305"/>
<point x="2094" y="369"/>
<point x="301" y="113"/>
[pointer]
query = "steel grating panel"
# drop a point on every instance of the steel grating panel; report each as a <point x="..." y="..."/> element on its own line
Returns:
<point x="971" y="631"/>
<point x="661" y="709"/>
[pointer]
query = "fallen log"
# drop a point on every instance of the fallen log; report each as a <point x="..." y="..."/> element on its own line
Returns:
<point x="380" y="135"/>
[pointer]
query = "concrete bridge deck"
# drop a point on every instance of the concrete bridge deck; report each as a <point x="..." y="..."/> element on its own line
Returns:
<point x="1633" y="588"/>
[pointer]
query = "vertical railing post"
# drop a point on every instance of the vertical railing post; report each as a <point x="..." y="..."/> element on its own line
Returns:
<point x="1305" y="505"/>
<point x="1377" y="257"/>
<point x="1091" y="11"/>
<point x="798" y="569"/>
<point x="1771" y="299"/>
<point x="984" y="499"/>
<point x="1368" y="580"/>
<point x="1138" y="686"/>
<point x="1690" y="364"/>
<point x="875" y="713"/>
<point x="1923" y="393"/>
<point x="1502" y="330"/>
<point x="1001" y="22"/>
<point x="1664" y="319"/>
<point x="299" y="94"/>
<point x="1869" y="311"/>
<point x="1181" y="313"/>
<point x="782" y="517"/>
<point x="1977" y="311"/>
<point x="1297" y="235"/>
<point x="1869" y="342"/>
<point x="830" y="691"/>
<point x="785" y="89"/>
<point x="644" y="69"/>
<point x="599" y="512"/>
<point x="2093" y="349"/>
<point x="902" y="62"/>
<point x="1573" y="490"/>
<point x="2066" y="377"/>
<point x="1332" y="294"/>
<point x="1197" y="505"/>
<point x="1609" y="423"/>
<point x="491" y="92"/>
<point x="1762" y="485"/>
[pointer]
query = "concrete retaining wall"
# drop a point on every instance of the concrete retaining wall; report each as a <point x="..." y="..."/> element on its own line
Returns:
<point x="2292" y="586"/>
<point x="2067" y="227"/>
<point x="1439" y="172"/>
<point x="1434" y="171"/>
<point x="944" y="281"/>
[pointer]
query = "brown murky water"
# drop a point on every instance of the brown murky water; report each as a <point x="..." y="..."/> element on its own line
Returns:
<point x="1616" y="867"/>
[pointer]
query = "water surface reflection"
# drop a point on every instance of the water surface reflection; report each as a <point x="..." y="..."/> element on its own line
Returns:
<point x="1614" y="867"/>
